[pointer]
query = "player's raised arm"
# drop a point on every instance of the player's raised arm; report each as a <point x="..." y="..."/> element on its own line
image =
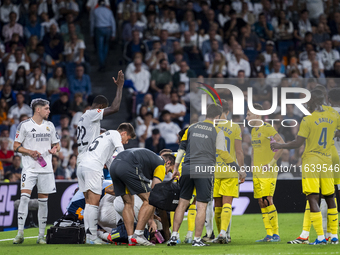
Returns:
<point x="116" y="102"/>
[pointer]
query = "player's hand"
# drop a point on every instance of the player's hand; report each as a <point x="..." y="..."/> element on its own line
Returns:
<point x="275" y="146"/>
<point x="34" y="154"/>
<point x="53" y="150"/>
<point x="242" y="176"/>
<point x="265" y="168"/>
<point x="120" y="79"/>
<point x="176" y="174"/>
<point x="152" y="226"/>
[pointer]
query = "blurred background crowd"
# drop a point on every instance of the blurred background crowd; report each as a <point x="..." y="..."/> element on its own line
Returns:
<point x="160" y="45"/>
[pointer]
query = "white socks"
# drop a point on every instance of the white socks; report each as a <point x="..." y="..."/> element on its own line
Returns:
<point x="304" y="234"/>
<point x="91" y="220"/>
<point x="209" y="219"/>
<point x="22" y="212"/>
<point x="323" y="209"/>
<point x="42" y="215"/>
<point x="189" y="234"/>
<point x="176" y="234"/>
<point x="139" y="232"/>
<point x="103" y="235"/>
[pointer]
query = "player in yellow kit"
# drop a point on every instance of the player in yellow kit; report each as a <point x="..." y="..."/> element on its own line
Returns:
<point x="226" y="185"/>
<point x="264" y="174"/>
<point x="317" y="131"/>
<point x="334" y="101"/>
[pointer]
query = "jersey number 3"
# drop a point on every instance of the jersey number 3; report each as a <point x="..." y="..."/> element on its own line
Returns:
<point x="323" y="138"/>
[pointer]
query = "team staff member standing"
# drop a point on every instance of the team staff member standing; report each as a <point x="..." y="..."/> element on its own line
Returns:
<point x="317" y="132"/>
<point x="36" y="137"/>
<point x="131" y="172"/>
<point x="200" y="143"/>
<point x="264" y="179"/>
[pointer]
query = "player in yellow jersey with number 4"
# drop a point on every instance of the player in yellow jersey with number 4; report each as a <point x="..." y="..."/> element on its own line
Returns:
<point x="317" y="130"/>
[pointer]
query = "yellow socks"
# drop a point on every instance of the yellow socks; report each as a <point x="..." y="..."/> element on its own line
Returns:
<point x="273" y="219"/>
<point x="316" y="219"/>
<point x="191" y="217"/>
<point x="332" y="221"/>
<point x="218" y="211"/>
<point x="172" y="215"/>
<point x="306" y="218"/>
<point x="266" y="222"/>
<point x="226" y="216"/>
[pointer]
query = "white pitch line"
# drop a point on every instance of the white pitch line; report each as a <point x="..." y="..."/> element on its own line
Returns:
<point x="11" y="239"/>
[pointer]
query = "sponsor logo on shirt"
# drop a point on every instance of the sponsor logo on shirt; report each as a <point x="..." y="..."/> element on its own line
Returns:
<point x="33" y="130"/>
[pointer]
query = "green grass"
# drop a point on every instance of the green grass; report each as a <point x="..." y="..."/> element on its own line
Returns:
<point x="245" y="230"/>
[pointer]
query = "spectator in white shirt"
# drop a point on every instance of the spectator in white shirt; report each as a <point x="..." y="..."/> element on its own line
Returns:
<point x="175" y="66"/>
<point x="13" y="66"/>
<point x="328" y="56"/>
<point x="19" y="109"/>
<point x="74" y="50"/>
<point x="168" y="129"/>
<point x="37" y="82"/>
<point x="307" y="64"/>
<point x="46" y="24"/>
<point x="172" y="26"/>
<point x="68" y="6"/>
<point x="144" y="130"/>
<point x="176" y="109"/>
<point x="6" y="8"/>
<point x="274" y="79"/>
<point x="223" y="16"/>
<point x="316" y="73"/>
<point x="238" y="64"/>
<point x="268" y="52"/>
<point x="140" y="77"/>
<point x="153" y="57"/>
<point x="303" y="26"/>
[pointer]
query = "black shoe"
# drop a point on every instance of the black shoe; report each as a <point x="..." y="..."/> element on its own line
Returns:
<point x="199" y="243"/>
<point x="208" y="239"/>
<point x="172" y="241"/>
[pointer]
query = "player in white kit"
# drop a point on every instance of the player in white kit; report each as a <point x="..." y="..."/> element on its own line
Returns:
<point x="89" y="124"/>
<point x="36" y="137"/>
<point x="90" y="173"/>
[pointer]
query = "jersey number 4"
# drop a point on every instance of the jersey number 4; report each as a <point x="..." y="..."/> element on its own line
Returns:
<point x="81" y="132"/>
<point x="323" y="138"/>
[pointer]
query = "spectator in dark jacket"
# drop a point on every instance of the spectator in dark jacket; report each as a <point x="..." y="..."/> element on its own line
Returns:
<point x="136" y="45"/>
<point x="155" y="143"/>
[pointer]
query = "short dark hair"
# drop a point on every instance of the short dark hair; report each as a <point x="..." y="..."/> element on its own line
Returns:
<point x="148" y="113"/>
<point x="155" y="131"/>
<point x="165" y="151"/>
<point x="38" y="102"/>
<point x="334" y="95"/>
<point x="128" y="128"/>
<point x="257" y="106"/>
<point x="214" y="110"/>
<point x="16" y="156"/>
<point x="169" y="157"/>
<point x="160" y="61"/>
<point x="225" y="105"/>
<point x="182" y="132"/>
<point x="100" y="100"/>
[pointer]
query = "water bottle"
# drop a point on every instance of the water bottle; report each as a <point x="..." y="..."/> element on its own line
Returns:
<point x="159" y="237"/>
<point x="272" y="140"/>
<point x="41" y="161"/>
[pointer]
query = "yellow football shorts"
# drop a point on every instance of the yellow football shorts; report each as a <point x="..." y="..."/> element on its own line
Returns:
<point x="228" y="187"/>
<point x="316" y="176"/>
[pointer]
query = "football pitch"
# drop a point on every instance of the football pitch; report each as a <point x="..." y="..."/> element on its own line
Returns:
<point x="245" y="230"/>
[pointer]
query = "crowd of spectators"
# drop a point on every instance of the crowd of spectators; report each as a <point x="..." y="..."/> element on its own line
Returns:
<point x="42" y="55"/>
<point x="278" y="43"/>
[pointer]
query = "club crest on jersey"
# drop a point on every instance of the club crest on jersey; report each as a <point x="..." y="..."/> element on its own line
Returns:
<point x="47" y="128"/>
<point x="23" y="185"/>
<point x="259" y="135"/>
